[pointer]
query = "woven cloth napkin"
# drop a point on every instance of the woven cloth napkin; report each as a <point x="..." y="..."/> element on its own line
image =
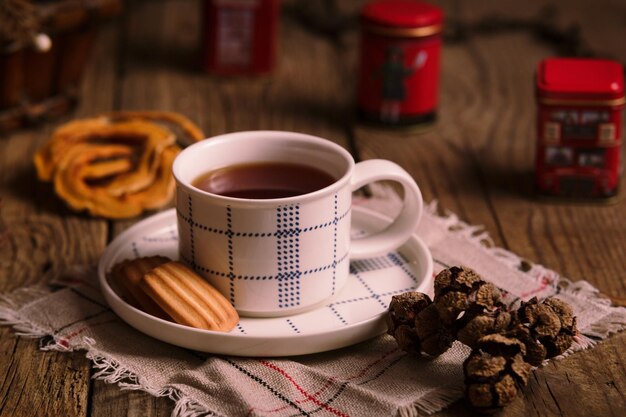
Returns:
<point x="371" y="378"/>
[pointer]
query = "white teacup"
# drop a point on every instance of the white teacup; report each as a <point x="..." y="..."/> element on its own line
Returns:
<point x="281" y="256"/>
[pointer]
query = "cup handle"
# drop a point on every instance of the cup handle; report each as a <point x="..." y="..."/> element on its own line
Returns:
<point x="404" y="225"/>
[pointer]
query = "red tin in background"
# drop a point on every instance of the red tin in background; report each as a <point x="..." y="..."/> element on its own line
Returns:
<point x="579" y="127"/>
<point x="400" y="62"/>
<point x="240" y="36"/>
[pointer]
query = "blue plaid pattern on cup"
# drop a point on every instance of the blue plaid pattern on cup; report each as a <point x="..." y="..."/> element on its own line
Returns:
<point x="263" y="259"/>
<point x="278" y="257"/>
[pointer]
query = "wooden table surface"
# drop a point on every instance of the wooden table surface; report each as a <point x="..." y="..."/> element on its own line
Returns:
<point x="477" y="161"/>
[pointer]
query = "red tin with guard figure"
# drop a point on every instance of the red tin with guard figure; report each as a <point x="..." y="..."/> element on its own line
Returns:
<point x="579" y="127"/>
<point x="400" y="60"/>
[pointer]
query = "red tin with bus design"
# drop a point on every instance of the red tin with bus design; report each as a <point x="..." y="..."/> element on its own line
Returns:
<point x="240" y="36"/>
<point x="400" y="62"/>
<point x="579" y="128"/>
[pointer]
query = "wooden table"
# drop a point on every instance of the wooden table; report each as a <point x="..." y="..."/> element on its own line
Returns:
<point x="477" y="161"/>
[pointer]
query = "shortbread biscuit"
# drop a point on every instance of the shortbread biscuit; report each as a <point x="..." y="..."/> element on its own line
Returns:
<point x="126" y="276"/>
<point x="188" y="298"/>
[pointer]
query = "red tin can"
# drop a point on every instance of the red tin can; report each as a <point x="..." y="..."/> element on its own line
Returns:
<point x="579" y="127"/>
<point x="400" y="62"/>
<point x="240" y="36"/>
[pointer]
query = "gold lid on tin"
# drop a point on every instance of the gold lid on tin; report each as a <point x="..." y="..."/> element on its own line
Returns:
<point x="416" y="32"/>
<point x="402" y="18"/>
<point x="593" y="103"/>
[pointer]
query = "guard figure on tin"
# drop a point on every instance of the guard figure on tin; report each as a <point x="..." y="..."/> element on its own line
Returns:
<point x="400" y="54"/>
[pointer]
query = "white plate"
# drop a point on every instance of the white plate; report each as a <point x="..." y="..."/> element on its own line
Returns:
<point x="356" y="314"/>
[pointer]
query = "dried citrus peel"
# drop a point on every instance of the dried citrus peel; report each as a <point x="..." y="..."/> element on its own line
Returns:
<point x="191" y="130"/>
<point x="115" y="166"/>
<point x="76" y="169"/>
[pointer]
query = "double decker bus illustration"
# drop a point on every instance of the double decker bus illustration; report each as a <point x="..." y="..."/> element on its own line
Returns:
<point x="578" y="152"/>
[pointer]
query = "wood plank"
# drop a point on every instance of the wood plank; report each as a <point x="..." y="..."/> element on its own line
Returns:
<point x="159" y="66"/>
<point x="45" y="239"/>
<point x="478" y="162"/>
<point x="160" y="72"/>
<point x="575" y="240"/>
<point x="158" y="43"/>
<point x="108" y="400"/>
<point x="304" y="94"/>
<point x="579" y="241"/>
<point x="589" y="383"/>
<point x="36" y="383"/>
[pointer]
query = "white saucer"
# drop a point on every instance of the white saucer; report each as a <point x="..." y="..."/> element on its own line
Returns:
<point x="356" y="314"/>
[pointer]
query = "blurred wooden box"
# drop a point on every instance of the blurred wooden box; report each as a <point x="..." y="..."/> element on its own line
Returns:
<point x="37" y="85"/>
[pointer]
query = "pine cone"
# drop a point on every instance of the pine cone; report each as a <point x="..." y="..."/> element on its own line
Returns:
<point x="403" y="310"/>
<point x="414" y="322"/>
<point x="471" y="328"/>
<point x="434" y="337"/>
<point x="460" y="291"/>
<point x="547" y="328"/>
<point x="563" y="340"/>
<point x="494" y="372"/>
<point x="505" y="344"/>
